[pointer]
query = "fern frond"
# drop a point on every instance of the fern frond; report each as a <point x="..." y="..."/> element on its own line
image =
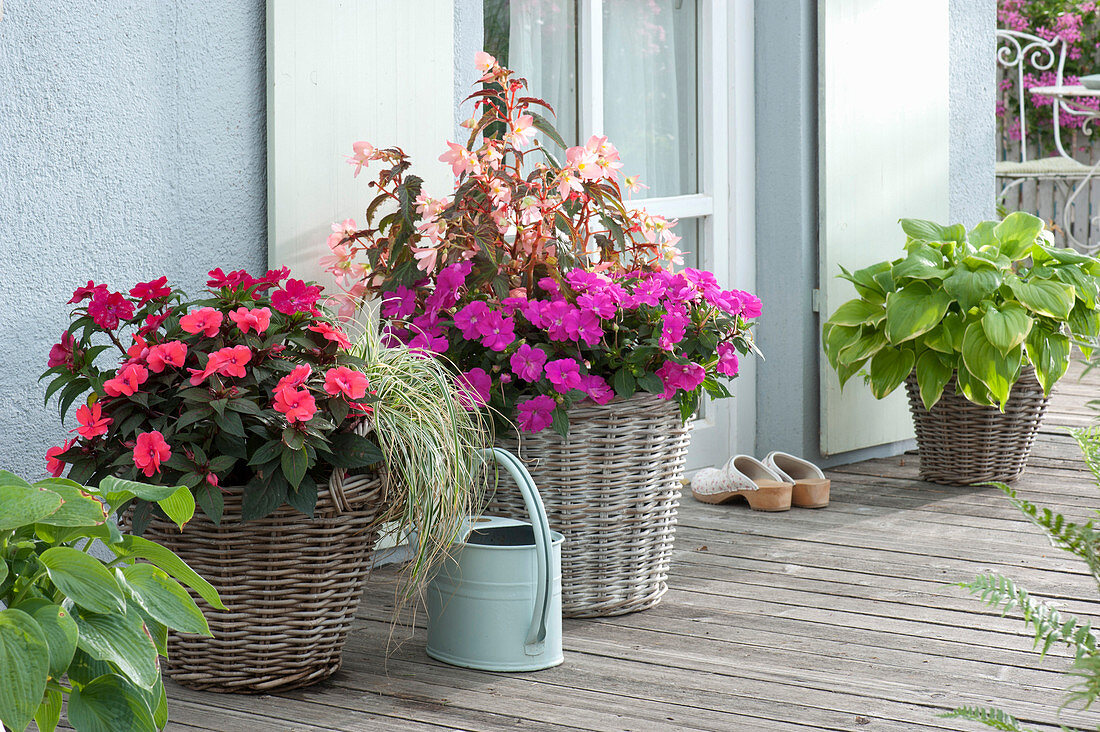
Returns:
<point x="990" y="717"/>
<point x="1087" y="689"/>
<point x="1088" y="439"/>
<point x="1047" y="623"/>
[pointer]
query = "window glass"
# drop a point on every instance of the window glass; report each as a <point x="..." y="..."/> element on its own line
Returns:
<point x="538" y="40"/>
<point x="650" y="91"/>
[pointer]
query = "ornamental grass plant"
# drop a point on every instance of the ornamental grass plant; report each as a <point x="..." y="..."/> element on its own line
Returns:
<point x="534" y="276"/>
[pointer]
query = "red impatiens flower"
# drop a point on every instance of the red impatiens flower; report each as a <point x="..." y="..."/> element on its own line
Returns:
<point x="239" y="279"/>
<point x="295" y="297"/>
<point x="92" y="422"/>
<point x="62" y="354"/>
<point x="127" y="381"/>
<point x="298" y="405"/>
<point x="228" y="361"/>
<point x="55" y="466"/>
<point x="331" y="333"/>
<point x="167" y="354"/>
<point x="257" y="319"/>
<point x="349" y="382"/>
<point x="108" y="308"/>
<point x="83" y="293"/>
<point x="204" y="320"/>
<point x="150" y="451"/>
<point x="153" y="290"/>
<point x="295" y="378"/>
<point x="152" y="322"/>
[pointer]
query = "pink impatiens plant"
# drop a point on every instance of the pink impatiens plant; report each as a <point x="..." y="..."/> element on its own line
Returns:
<point x="533" y="277"/>
<point x="247" y="389"/>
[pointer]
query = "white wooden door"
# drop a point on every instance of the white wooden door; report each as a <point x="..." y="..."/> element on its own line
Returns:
<point x="883" y="126"/>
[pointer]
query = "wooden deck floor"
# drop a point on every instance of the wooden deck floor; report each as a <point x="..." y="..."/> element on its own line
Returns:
<point x="836" y="619"/>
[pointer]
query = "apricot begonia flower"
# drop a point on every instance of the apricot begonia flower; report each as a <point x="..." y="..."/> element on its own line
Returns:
<point x="163" y="355"/>
<point x="92" y="422"/>
<point x="204" y="320"/>
<point x="460" y="159"/>
<point x="362" y="153"/>
<point x="297" y="405"/>
<point x="127" y="381"/>
<point x="150" y="450"/>
<point x="257" y="319"/>
<point x="349" y="382"/>
<point x="523" y="131"/>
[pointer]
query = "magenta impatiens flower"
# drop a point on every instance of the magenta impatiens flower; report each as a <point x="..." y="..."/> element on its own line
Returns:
<point x="204" y="320"/>
<point x="560" y="320"/>
<point x="673" y="327"/>
<point x="296" y="297"/>
<point x="564" y="374"/>
<point x="597" y="389"/>
<point x="468" y="319"/>
<point x="727" y="359"/>
<point x="535" y="414"/>
<point x="586" y="327"/>
<point x="150" y="450"/>
<point x="677" y="376"/>
<point x="107" y="309"/>
<point x="497" y="332"/>
<point x="474" y="388"/>
<point x="87" y="291"/>
<point x="527" y="362"/>
<point x="62" y="354"/>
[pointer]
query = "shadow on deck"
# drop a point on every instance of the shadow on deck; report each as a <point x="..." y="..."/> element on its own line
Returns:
<point x="836" y="619"/>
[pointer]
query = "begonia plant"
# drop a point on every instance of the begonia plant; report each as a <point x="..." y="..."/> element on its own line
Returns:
<point x="534" y="276"/>
<point x="248" y="388"/>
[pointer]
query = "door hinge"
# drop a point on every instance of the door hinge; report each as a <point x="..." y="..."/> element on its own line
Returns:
<point x="815" y="300"/>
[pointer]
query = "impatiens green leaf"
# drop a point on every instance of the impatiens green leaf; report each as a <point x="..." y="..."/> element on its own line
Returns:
<point x="24" y="666"/>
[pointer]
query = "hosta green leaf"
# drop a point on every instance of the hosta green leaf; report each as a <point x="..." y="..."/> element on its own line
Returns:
<point x="24" y="666"/>
<point x="930" y="231"/>
<point x="982" y="235"/>
<point x="889" y="367"/>
<point x="972" y="388"/>
<point x="119" y="638"/>
<point x="1084" y="284"/>
<point x="835" y="338"/>
<point x="863" y="348"/>
<point x="164" y="599"/>
<point x="1049" y="354"/>
<point x="986" y="363"/>
<point x="84" y="579"/>
<point x="1016" y="233"/>
<point x="61" y="633"/>
<point x="1046" y="297"/>
<point x="21" y="505"/>
<point x="923" y="263"/>
<point x="933" y="372"/>
<point x="857" y="312"/>
<point x="914" y="310"/>
<point x="180" y="506"/>
<point x="137" y="547"/>
<point x="109" y="704"/>
<point x="1007" y="326"/>
<point x="79" y="509"/>
<point x="971" y="285"/>
<point x="846" y="372"/>
<point x="48" y="713"/>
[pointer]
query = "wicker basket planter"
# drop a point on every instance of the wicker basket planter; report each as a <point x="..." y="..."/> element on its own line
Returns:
<point x="612" y="489"/>
<point x="291" y="586"/>
<point x="961" y="443"/>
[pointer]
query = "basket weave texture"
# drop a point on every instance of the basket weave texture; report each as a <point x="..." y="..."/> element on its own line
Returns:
<point x="291" y="586"/>
<point x="612" y="488"/>
<point x="961" y="443"/>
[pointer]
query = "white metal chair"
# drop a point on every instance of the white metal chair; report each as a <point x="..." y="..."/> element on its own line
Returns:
<point x="1016" y="52"/>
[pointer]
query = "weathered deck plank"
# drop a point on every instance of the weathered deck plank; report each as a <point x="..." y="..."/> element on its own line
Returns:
<point x="841" y="619"/>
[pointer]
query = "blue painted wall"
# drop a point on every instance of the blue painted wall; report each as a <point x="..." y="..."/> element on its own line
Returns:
<point x="131" y="145"/>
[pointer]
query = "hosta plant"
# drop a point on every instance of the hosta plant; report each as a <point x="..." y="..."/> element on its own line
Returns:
<point x="77" y="627"/>
<point x="979" y="305"/>
<point x="1050" y="627"/>
<point x="248" y="387"/>
<point x="534" y="275"/>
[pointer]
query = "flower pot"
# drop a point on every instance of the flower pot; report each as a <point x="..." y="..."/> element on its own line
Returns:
<point x="291" y="586"/>
<point x="612" y="489"/>
<point x="961" y="443"/>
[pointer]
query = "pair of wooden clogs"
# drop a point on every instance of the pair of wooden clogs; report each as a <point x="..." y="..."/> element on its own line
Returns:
<point x="774" y="484"/>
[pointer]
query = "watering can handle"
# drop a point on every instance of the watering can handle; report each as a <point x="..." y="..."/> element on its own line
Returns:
<point x="544" y="546"/>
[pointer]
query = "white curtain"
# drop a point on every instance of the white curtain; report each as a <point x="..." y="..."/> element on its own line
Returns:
<point x="542" y="48"/>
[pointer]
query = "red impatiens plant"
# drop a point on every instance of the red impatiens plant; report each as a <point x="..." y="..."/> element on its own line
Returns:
<point x="534" y="277"/>
<point x="249" y="388"/>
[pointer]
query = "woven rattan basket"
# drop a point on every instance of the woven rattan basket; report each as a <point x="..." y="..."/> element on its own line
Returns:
<point x="961" y="443"/>
<point x="612" y="488"/>
<point x="291" y="586"/>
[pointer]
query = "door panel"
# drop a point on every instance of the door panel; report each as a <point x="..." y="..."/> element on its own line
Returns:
<point x="883" y="127"/>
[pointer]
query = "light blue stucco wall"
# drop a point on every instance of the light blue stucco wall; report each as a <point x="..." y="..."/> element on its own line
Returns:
<point x="131" y="145"/>
<point x="788" y="404"/>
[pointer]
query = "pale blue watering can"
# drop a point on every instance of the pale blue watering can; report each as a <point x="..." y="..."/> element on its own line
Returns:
<point x="495" y="603"/>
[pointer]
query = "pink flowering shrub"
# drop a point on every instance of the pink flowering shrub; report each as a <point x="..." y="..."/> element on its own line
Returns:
<point x="533" y="277"/>
<point x="1077" y="22"/>
<point x="248" y="388"/>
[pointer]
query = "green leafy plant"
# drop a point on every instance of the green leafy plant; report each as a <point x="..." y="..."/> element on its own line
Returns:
<point x="979" y="305"/>
<point x="75" y="626"/>
<point x="431" y="444"/>
<point x="1049" y="627"/>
